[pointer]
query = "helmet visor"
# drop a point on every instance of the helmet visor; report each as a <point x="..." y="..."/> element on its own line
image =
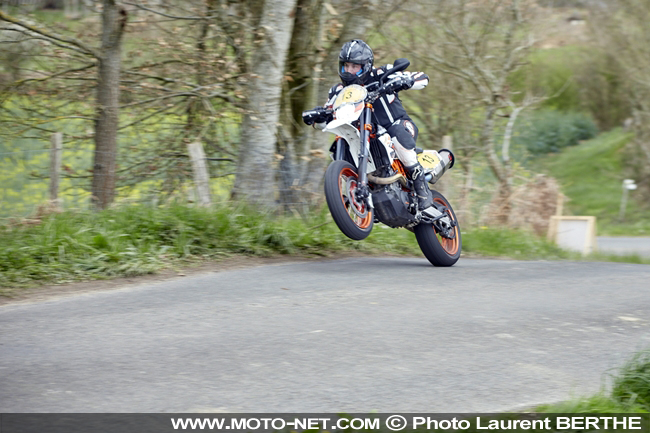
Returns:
<point x="351" y="68"/>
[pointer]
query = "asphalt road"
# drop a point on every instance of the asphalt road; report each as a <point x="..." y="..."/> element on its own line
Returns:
<point x="624" y="245"/>
<point x="384" y="334"/>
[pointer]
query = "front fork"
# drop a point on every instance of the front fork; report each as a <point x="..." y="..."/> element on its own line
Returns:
<point x="363" y="191"/>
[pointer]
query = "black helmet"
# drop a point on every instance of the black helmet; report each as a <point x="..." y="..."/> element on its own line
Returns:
<point x="355" y="51"/>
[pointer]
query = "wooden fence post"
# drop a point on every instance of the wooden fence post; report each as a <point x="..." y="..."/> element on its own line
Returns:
<point x="55" y="168"/>
<point x="200" y="169"/>
<point x="447" y="142"/>
<point x="446" y="183"/>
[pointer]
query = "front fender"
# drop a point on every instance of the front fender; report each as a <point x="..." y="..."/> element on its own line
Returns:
<point x="350" y="134"/>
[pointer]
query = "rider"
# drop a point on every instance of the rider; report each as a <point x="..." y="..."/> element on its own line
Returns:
<point x="356" y="67"/>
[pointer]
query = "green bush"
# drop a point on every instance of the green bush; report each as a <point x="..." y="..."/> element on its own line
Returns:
<point x="550" y="131"/>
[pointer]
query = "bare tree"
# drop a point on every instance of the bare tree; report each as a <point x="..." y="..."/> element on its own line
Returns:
<point x="255" y="173"/>
<point x="299" y="89"/>
<point x="187" y="59"/>
<point x="479" y="44"/>
<point x="108" y="91"/>
<point x="108" y="58"/>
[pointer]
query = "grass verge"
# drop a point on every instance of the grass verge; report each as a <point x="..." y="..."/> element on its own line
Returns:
<point x="137" y="240"/>
<point x="630" y="391"/>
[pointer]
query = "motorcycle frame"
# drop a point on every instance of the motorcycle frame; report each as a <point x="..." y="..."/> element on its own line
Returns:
<point x="432" y="215"/>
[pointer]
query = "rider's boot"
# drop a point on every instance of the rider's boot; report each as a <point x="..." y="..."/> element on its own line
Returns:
<point x="425" y="198"/>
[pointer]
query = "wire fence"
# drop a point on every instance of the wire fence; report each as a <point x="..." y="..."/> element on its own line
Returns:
<point x="38" y="178"/>
<point x="29" y="3"/>
<point x="36" y="181"/>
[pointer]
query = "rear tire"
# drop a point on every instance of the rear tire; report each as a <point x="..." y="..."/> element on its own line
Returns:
<point x="354" y="219"/>
<point x="440" y="251"/>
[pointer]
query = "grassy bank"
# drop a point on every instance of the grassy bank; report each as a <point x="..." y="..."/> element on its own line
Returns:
<point x="136" y="240"/>
<point x="139" y="239"/>
<point x="591" y="175"/>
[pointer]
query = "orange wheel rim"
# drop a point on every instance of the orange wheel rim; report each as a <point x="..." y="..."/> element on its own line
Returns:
<point x="347" y="186"/>
<point x="449" y="245"/>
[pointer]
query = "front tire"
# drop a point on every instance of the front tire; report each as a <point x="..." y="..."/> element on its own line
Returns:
<point x="354" y="219"/>
<point x="439" y="250"/>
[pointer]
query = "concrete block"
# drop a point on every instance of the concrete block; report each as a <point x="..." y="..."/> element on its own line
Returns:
<point x="576" y="233"/>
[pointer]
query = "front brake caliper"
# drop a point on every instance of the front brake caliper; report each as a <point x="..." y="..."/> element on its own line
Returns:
<point x="357" y="202"/>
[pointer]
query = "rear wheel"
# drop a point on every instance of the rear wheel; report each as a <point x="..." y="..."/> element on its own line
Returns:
<point x="353" y="218"/>
<point x="441" y="246"/>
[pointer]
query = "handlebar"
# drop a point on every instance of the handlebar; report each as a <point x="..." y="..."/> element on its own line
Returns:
<point x="383" y="88"/>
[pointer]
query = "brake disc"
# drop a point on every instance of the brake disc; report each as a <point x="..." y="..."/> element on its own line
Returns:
<point x="354" y="204"/>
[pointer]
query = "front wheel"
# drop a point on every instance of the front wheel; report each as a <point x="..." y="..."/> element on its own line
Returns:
<point x="440" y="247"/>
<point x="353" y="218"/>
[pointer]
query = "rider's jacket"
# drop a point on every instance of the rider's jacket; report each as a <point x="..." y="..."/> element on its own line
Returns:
<point x="388" y="108"/>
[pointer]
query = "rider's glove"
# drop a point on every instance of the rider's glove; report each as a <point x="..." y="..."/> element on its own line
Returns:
<point x="316" y="115"/>
<point x="408" y="82"/>
<point x="402" y="82"/>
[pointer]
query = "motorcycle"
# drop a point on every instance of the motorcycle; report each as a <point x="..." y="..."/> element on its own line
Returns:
<point x="366" y="182"/>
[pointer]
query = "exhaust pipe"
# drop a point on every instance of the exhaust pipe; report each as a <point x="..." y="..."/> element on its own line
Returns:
<point x="447" y="160"/>
<point x="387" y="180"/>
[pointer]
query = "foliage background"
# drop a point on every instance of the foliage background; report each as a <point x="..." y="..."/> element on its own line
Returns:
<point x="565" y="119"/>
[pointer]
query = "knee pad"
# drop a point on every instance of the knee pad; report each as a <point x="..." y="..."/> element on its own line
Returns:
<point x="407" y="156"/>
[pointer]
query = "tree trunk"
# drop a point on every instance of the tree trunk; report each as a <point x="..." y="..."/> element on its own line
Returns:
<point x="356" y="23"/>
<point x="108" y="90"/>
<point x="501" y="202"/>
<point x="303" y="150"/>
<point x="297" y="96"/>
<point x="255" y="173"/>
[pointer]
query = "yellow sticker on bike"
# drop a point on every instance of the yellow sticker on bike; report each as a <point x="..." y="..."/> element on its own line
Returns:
<point x="429" y="159"/>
